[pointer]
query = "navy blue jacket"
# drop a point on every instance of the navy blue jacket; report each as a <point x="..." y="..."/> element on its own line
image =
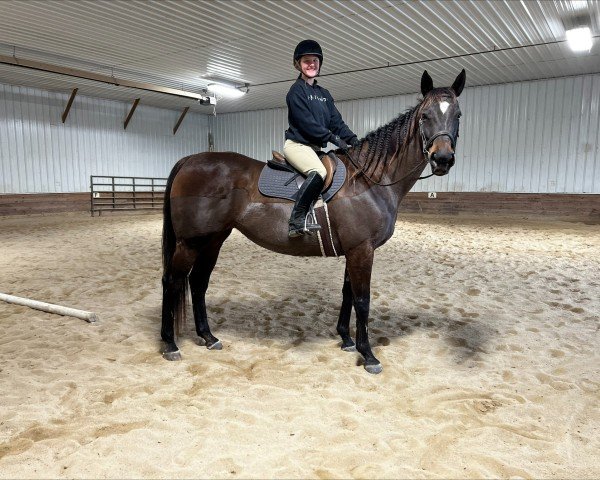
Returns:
<point x="312" y="115"/>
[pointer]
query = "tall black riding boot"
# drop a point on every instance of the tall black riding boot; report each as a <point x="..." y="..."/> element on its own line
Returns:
<point x="308" y="193"/>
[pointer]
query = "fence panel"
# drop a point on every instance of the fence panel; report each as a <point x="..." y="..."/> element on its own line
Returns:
<point x="111" y="193"/>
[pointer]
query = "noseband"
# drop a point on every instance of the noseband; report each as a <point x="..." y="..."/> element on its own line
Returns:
<point x="427" y="144"/>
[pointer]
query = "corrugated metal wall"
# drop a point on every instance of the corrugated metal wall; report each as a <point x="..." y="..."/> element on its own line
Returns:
<point x="40" y="154"/>
<point x="535" y="137"/>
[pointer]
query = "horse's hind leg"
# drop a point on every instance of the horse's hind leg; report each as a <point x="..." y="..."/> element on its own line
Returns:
<point x="199" y="278"/>
<point x="343" y="325"/>
<point x="174" y="292"/>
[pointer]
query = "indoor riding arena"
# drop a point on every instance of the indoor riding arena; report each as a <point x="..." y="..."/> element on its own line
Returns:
<point x="481" y="304"/>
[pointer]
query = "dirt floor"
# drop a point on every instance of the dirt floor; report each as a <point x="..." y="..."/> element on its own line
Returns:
<point x="487" y="330"/>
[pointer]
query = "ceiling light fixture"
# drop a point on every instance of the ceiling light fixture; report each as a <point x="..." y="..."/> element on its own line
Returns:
<point x="579" y="39"/>
<point x="227" y="88"/>
<point x="228" y="91"/>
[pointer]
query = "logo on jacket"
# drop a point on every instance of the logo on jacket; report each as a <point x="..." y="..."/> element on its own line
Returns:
<point x="314" y="97"/>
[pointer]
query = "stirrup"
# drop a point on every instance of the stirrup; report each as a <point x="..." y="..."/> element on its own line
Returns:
<point x="307" y="228"/>
<point x="293" y="232"/>
<point x="310" y="222"/>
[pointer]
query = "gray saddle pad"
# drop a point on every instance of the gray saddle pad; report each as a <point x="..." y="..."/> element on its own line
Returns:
<point x="282" y="184"/>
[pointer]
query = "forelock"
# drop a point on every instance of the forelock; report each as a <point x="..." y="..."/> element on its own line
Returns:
<point x="438" y="95"/>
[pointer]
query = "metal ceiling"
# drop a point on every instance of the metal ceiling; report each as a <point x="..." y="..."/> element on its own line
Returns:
<point x="178" y="43"/>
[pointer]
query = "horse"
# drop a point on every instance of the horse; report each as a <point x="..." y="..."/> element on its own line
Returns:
<point x="209" y="194"/>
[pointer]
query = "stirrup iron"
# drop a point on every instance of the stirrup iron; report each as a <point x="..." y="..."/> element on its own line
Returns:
<point x="310" y="222"/>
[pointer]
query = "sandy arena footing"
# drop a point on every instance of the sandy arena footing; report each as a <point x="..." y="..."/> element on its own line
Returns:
<point x="487" y="330"/>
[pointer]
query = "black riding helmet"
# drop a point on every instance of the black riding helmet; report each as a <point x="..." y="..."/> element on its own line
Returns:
<point x="308" y="47"/>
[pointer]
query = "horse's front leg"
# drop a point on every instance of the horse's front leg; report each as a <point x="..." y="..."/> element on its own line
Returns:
<point x="343" y="325"/>
<point x="359" y="263"/>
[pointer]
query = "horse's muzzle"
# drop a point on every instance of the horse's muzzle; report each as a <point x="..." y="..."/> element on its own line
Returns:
<point x="441" y="163"/>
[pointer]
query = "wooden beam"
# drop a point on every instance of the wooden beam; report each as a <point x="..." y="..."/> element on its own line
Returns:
<point x="133" y="107"/>
<point x="183" y="114"/>
<point x="69" y="104"/>
<point x="73" y="72"/>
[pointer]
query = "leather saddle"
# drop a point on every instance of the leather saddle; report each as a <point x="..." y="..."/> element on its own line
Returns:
<point x="281" y="180"/>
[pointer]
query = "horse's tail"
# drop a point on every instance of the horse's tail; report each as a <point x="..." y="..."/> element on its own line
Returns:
<point x="169" y="242"/>
<point x="168" y="233"/>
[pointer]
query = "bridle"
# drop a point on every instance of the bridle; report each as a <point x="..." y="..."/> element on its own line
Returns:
<point x="427" y="144"/>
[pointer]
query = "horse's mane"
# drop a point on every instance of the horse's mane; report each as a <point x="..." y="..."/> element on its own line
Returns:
<point x="403" y="127"/>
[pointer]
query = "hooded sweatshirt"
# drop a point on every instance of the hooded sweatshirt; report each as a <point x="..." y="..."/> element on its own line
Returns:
<point x="312" y="115"/>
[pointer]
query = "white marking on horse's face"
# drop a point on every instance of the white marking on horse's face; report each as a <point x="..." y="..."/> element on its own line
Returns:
<point x="444" y="106"/>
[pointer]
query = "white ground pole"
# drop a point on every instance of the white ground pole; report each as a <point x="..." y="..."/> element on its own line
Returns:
<point x="50" y="307"/>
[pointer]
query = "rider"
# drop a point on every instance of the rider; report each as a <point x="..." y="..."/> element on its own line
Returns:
<point x="313" y="121"/>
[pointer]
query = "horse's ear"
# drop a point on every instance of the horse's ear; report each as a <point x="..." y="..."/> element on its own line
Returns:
<point x="426" y="83"/>
<point x="459" y="83"/>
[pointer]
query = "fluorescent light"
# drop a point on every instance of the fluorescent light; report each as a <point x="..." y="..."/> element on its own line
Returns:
<point x="225" y="90"/>
<point x="579" y="39"/>
<point x="578" y="4"/>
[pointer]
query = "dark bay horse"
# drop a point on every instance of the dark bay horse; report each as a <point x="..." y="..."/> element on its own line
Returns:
<point x="209" y="194"/>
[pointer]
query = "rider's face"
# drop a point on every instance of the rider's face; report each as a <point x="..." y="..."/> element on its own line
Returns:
<point x="309" y="65"/>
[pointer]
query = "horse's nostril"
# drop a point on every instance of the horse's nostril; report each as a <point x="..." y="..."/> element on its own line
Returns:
<point x="445" y="159"/>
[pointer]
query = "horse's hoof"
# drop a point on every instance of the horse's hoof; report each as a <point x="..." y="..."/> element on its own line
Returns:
<point x="215" y="346"/>
<point x="374" y="369"/>
<point x="349" y="348"/>
<point x="172" y="356"/>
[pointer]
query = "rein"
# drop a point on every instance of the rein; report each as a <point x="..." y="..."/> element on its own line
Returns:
<point x="426" y="176"/>
<point x="360" y="168"/>
<point x="427" y="144"/>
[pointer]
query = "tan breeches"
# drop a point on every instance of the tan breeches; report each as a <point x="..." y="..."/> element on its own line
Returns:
<point x="304" y="158"/>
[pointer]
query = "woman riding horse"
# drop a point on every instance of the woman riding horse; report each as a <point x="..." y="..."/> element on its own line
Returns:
<point x="211" y="193"/>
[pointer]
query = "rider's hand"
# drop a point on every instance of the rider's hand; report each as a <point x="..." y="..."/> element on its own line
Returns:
<point x="355" y="142"/>
<point x="338" y="142"/>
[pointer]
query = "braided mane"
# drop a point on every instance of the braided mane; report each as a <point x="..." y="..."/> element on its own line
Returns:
<point x="401" y="128"/>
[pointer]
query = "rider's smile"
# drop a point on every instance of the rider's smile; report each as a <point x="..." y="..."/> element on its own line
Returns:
<point x="309" y="65"/>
